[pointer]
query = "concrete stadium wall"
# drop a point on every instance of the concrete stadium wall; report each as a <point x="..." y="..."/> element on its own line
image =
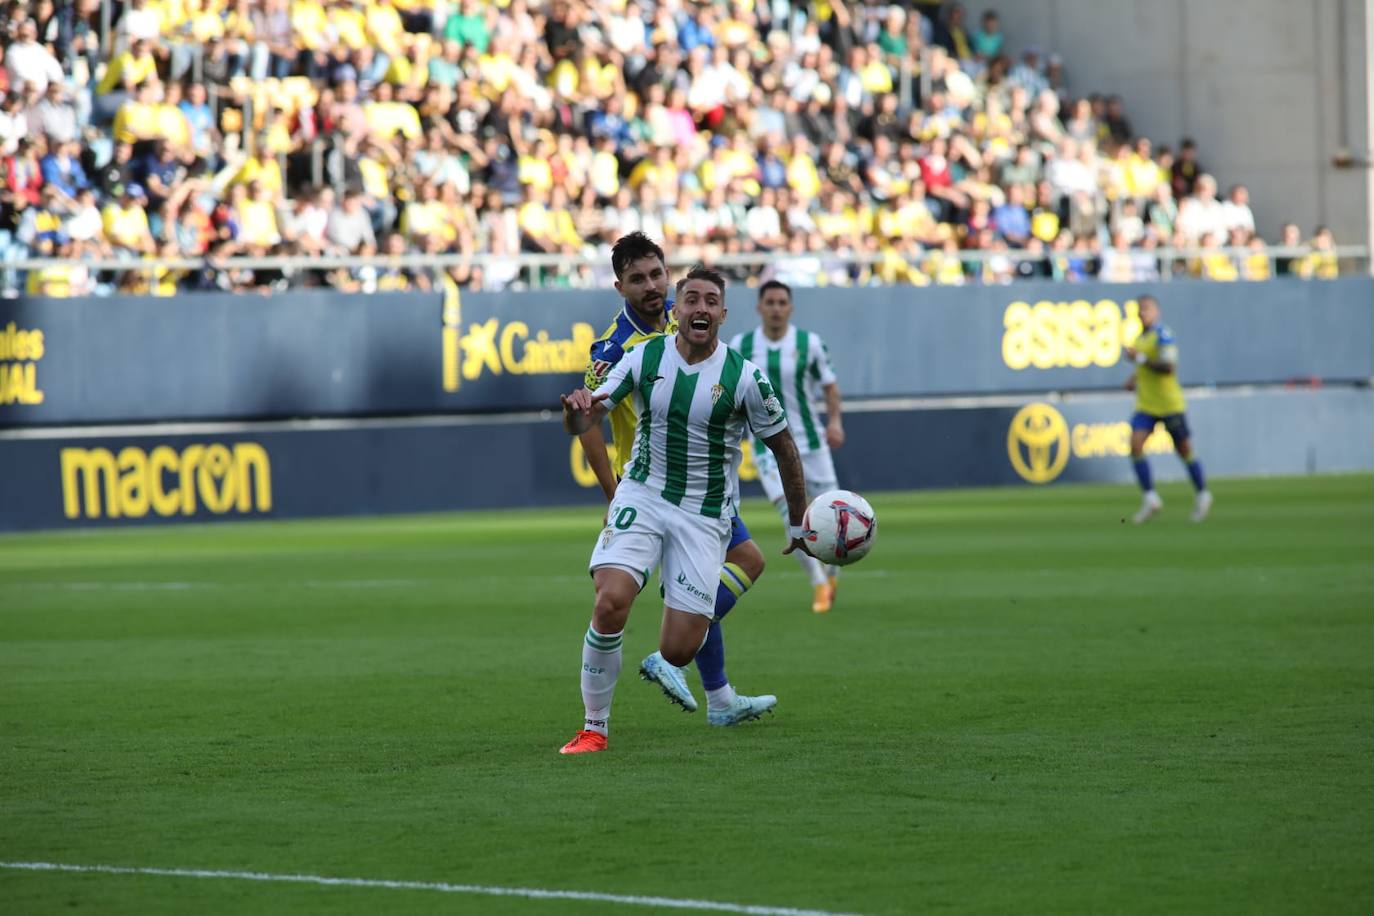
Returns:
<point x="1271" y="90"/>
<point x="61" y="480"/>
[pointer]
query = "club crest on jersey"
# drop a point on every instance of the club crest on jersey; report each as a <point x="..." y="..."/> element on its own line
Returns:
<point x="772" y="405"/>
<point x="716" y="392"/>
<point x="606" y="536"/>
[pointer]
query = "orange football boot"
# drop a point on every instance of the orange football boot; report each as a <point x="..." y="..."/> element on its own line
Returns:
<point x="584" y="742"/>
<point x="821" y="598"/>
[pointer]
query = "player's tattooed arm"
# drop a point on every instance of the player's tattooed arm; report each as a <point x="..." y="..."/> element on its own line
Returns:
<point x="784" y="450"/>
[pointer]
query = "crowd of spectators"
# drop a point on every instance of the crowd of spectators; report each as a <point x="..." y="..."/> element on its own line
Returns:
<point x="857" y="142"/>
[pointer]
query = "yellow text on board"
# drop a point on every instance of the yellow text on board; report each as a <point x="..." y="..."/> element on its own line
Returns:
<point x="1078" y="334"/>
<point x="164" y="481"/>
<point x="1040" y="442"/>
<point x="511" y="348"/>
<point x="21" y="350"/>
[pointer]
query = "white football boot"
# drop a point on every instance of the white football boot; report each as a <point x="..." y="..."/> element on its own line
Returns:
<point x="670" y="680"/>
<point x="1150" y="505"/>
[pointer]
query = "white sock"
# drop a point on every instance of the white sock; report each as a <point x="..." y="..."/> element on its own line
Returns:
<point x="600" y="669"/>
<point x="813" y="567"/>
<point x="720" y="698"/>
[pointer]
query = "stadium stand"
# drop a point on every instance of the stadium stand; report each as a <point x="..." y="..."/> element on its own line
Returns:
<point x="858" y="142"/>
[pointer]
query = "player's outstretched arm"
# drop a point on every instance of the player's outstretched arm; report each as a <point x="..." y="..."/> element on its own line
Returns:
<point x="1162" y="366"/>
<point x="582" y="410"/>
<point x="598" y="459"/>
<point x="793" y="485"/>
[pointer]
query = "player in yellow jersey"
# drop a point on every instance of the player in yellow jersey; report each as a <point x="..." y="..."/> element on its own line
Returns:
<point x="642" y="281"/>
<point x="1159" y="399"/>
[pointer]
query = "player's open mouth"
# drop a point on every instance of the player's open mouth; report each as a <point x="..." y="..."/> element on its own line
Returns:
<point x="700" y="324"/>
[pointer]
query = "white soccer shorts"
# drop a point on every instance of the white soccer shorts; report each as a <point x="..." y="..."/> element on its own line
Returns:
<point x="818" y="468"/>
<point x="644" y="531"/>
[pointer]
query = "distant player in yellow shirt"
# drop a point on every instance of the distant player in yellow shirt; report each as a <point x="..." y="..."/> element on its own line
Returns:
<point x="1159" y="399"/>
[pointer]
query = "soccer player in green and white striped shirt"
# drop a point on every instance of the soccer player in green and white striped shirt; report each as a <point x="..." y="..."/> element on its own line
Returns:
<point x="695" y="398"/>
<point x="798" y="366"/>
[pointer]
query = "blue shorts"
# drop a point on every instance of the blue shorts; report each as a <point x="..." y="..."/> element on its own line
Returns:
<point x="738" y="533"/>
<point x="1175" y="423"/>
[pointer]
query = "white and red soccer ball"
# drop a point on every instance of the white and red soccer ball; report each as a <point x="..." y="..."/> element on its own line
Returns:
<point x="840" y="527"/>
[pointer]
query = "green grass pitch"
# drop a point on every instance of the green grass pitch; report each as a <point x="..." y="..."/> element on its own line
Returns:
<point x="1019" y="704"/>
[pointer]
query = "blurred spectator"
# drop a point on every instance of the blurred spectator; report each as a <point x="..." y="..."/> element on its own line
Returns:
<point x="1213" y="263"/>
<point x="14" y="124"/>
<point x="1028" y="74"/>
<point x="124" y="73"/>
<point x="1290" y="237"/>
<point x="1321" y="263"/>
<point x="350" y="226"/>
<point x="1235" y="212"/>
<point x="988" y="39"/>
<point x="28" y="61"/>
<point x="84" y="225"/>
<point x="126" y="223"/>
<point x="1118" y="127"/>
<point x="1012" y="219"/>
<point x="200" y="121"/>
<point x="1118" y="265"/>
<point x="1202" y="214"/>
<point x="892" y="38"/>
<point x="1256" y="265"/>
<point x="61" y="170"/>
<point x="55" y="116"/>
<point x="1186" y="169"/>
<point x="1162" y="211"/>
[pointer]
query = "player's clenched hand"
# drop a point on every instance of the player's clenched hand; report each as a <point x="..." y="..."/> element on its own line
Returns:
<point x="834" y="435"/>
<point x="582" y="400"/>
<point x="798" y="544"/>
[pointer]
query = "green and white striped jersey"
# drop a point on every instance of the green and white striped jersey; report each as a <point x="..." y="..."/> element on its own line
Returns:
<point x="691" y="420"/>
<point x="798" y="367"/>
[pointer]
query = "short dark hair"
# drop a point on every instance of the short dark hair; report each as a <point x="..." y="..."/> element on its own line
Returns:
<point x="702" y="272"/>
<point x="775" y="284"/>
<point x="632" y="247"/>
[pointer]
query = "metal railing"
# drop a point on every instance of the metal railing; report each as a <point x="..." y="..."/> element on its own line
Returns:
<point x="1353" y="260"/>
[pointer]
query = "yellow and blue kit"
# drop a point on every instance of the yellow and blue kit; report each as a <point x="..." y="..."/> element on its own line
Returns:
<point x="1158" y="395"/>
<point x="625" y="331"/>
<point x="1159" y="399"/>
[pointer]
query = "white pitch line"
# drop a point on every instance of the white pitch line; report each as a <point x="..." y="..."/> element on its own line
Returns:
<point x="532" y="893"/>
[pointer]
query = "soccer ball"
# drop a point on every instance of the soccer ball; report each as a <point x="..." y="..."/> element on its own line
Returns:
<point x="840" y="527"/>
